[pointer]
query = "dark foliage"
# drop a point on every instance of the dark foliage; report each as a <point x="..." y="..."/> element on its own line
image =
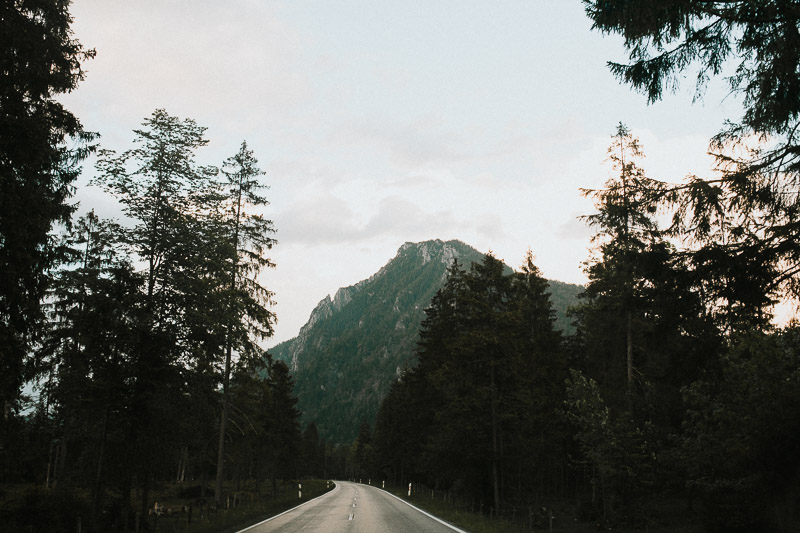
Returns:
<point x="472" y="415"/>
<point x="41" y="147"/>
<point x="355" y="345"/>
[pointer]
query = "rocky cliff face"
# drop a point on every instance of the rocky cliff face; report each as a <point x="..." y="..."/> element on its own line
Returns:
<point x="421" y="253"/>
<point x="355" y="344"/>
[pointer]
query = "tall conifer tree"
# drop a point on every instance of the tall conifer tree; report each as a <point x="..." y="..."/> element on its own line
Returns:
<point x="42" y="146"/>
<point x="626" y="229"/>
<point x="167" y="195"/>
<point x="248" y="318"/>
<point x="746" y="217"/>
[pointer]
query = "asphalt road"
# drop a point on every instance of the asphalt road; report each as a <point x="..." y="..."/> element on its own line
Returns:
<point x="354" y="508"/>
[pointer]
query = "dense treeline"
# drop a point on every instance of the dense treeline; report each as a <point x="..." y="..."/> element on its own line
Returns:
<point x="141" y="339"/>
<point x="667" y="392"/>
<point x="144" y="338"/>
<point x="676" y="385"/>
<point x="473" y="412"/>
<point x="147" y="351"/>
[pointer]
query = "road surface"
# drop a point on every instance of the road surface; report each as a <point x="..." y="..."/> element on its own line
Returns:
<point x="354" y="508"/>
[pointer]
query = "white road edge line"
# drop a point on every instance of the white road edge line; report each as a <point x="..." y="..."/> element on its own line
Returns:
<point x="451" y="526"/>
<point x="336" y="487"/>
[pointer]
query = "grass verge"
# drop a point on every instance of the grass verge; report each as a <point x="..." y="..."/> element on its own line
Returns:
<point x="250" y="509"/>
<point x="466" y="520"/>
<point x="28" y="508"/>
<point x="461" y="516"/>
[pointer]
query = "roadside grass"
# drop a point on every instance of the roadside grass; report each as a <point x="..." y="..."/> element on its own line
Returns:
<point x="242" y="509"/>
<point x="437" y="505"/>
<point x="29" y="508"/>
<point x="463" y="516"/>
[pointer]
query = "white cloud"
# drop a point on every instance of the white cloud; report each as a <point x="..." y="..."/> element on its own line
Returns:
<point x="229" y="65"/>
<point x="380" y="123"/>
<point x="323" y="219"/>
<point x="403" y="218"/>
<point x="574" y="229"/>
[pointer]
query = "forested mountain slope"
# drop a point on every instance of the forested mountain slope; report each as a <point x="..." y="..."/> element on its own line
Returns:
<point x="355" y="344"/>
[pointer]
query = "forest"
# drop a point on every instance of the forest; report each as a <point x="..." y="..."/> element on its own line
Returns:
<point x="678" y="385"/>
<point x="143" y="339"/>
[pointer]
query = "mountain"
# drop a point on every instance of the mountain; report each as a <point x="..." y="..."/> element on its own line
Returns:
<point x="355" y="344"/>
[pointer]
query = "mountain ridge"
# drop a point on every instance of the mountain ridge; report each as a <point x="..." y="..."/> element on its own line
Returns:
<point x="358" y="341"/>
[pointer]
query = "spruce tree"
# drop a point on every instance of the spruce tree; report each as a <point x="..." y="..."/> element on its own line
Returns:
<point x="626" y="228"/>
<point x="86" y="353"/>
<point x="248" y="317"/>
<point x="168" y="197"/>
<point x="43" y="145"/>
<point x="746" y="217"/>
<point x="488" y="374"/>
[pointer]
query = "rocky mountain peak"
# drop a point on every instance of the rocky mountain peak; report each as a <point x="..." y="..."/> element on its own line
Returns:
<point x="435" y="250"/>
<point x="356" y="342"/>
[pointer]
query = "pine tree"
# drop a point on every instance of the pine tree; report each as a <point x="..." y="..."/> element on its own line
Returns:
<point x="168" y="197"/>
<point x="626" y="228"/>
<point x="86" y="352"/>
<point x="746" y="218"/>
<point x="43" y="145"/>
<point x="248" y="318"/>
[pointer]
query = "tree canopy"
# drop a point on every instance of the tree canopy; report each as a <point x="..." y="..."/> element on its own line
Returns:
<point x="42" y="146"/>
<point x="489" y="368"/>
<point x="745" y="218"/>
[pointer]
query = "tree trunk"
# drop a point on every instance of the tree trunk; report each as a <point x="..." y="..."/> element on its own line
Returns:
<point x="222" y="428"/>
<point x="97" y="488"/>
<point x="182" y="462"/>
<point x="50" y="463"/>
<point x="148" y="477"/>
<point x="495" y="475"/>
<point x="274" y="481"/>
<point x="204" y="480"/>
<point x="228" y="349"/>
<point x="125" y="496"/>
<point x="629" y="354"/>
<point x="59" y="479"/>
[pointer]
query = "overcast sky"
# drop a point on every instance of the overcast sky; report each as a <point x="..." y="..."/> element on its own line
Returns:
<point x="381" y="122"/>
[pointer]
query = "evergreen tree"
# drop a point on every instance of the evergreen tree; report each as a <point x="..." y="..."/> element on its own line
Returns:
<point x="282" y="424"/>
<point x="405" y="421"/>
<point x="741" y="435"/>
<point x="746" y="219"/>
<point x="43" y="145"/>
<point x="86" y="352"/>
<point x="168" y="197"/>
<point x="626" y="229"/>
<point x="312" y="452"/>
<point x="251" y="397"/>
<point x="248" y="318"/>
<point x="644" y="332"/>
<point x="535" y="436"/>
<point x="487" y="378"/>
<point x="157" y="183"/>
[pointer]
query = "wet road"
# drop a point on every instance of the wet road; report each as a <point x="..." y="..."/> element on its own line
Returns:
<point x="354" y="508"/>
